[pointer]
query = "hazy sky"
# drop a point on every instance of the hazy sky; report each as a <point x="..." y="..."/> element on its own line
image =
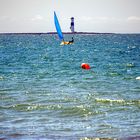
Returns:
<point x="119" y="16"/>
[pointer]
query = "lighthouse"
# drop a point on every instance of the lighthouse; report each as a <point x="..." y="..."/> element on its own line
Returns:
<point x="72" y="25"/>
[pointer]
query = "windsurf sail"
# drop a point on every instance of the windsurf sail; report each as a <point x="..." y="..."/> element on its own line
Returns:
<point x="58" y="28"/>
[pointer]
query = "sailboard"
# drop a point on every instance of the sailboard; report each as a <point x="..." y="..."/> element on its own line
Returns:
<point x="59" y="31"/>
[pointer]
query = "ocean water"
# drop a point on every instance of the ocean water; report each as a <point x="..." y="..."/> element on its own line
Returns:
<point x="45" y="94"/>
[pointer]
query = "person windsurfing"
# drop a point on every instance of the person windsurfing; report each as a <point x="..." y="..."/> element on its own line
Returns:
<point x="60" y="33"/>
<point x="71" y="41"/>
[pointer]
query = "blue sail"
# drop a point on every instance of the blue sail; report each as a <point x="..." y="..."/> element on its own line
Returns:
<point x="58" y="28"/>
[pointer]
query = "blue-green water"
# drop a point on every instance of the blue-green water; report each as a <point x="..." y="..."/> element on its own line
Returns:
<point x="45" y="94"/>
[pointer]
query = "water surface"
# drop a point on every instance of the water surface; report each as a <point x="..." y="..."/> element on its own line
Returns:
<point x="45" y="94"/>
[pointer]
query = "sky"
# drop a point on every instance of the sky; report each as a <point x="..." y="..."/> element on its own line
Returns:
<point x="110" y="16"/>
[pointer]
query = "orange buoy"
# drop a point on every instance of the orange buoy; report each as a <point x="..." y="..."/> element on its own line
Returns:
<point x="85" y="66"/>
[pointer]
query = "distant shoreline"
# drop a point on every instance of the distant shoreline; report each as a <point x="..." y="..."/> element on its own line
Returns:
<point x="79" y="33"/>
<point x="88" y="33"/>
<point x="56" y="33"/>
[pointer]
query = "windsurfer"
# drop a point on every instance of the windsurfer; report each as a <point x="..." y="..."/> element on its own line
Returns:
<point x="71" y="41"/>
<point x="67" y="42"/>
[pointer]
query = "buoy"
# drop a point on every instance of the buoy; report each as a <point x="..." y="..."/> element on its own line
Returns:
<point x="85" y="66"/>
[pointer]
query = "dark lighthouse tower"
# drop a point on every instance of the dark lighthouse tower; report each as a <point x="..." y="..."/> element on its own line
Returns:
<point x="72" y="25"/>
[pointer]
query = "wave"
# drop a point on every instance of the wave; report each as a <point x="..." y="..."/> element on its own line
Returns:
<point x="63" y="110"/>
<point x="79" y="110"/>
<point x="31" y="107"/>
<point x="121" y="101"/>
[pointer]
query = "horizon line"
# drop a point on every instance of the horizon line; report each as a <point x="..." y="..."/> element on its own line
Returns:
<point x="85" y="32"/>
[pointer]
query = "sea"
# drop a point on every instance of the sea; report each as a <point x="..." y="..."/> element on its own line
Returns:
<point x="46" y="95"/>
